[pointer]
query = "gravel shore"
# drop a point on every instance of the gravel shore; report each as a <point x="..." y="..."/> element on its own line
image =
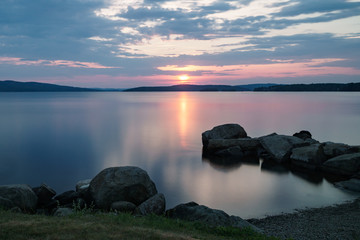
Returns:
<point x="334" y="222"/>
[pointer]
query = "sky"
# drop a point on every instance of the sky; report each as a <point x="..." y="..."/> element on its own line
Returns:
<point x="130" y="43"/>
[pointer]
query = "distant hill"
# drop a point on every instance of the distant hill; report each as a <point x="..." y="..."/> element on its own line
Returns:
<point x="13" y="86"/>
<point x="197" y="88"/>
<point x="251" y="87"/>
<point x="315" y="87"/>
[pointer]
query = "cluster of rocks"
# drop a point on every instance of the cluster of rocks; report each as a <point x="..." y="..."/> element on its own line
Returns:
<point x="125" y="189"/>
<point x="119" y="189"/>
<point x="229" y="143"/>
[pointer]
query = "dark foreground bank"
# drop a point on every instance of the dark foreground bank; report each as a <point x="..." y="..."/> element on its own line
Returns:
<point x="333" y="222"/>
<point x="86" y="224"/>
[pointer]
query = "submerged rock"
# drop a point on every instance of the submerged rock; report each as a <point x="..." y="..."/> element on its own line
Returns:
<point x="352" y="185"/>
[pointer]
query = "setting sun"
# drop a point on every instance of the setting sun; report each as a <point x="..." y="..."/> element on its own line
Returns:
<point x="183" y="78"/>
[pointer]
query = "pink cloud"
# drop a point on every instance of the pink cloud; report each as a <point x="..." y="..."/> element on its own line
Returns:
<point x="41" y="62"/>
<point x="275" y="69"/>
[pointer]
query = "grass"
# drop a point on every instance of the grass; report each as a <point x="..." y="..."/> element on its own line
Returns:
<point x="108" y="226"/>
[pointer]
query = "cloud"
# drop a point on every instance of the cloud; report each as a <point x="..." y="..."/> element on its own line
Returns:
<point x="346" y="27"/>
<point x="176" y="45"/>
<point x="275" y="68"/>
<point x="61" y="63"/>
<point x="137" y="36"/>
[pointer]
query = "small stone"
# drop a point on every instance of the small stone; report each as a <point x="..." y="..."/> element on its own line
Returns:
<point x="352" y="185"/>
<point x="154" y="205"/>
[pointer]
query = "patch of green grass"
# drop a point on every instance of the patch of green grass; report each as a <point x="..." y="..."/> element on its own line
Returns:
<point x="108" y="226"/>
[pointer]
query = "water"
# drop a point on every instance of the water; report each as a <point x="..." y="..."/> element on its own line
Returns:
<point x="60" y="138"/>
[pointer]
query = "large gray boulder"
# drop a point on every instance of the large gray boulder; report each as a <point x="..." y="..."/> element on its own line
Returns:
<point x="279" y="147"/>
<point x="226" y="131"/>
<point x="67" y="198"/>
<point x="246" y="144"/>
<point x="351" y="185"/>
<point x="154" y="205"/>
<point x="21" y="195"/>
<point x="6" y="203"/>
<point x="310" y="157"/>
<point x="44" y="194"/>
<point x="231" y="152"/>
<point x="347" y="164"/>
<point x="194" y="212"/>
<point x="131" y="184"/>
<point x="332" y="149"/>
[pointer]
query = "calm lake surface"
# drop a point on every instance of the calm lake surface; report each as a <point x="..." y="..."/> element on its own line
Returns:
<point x="60" y="138"/>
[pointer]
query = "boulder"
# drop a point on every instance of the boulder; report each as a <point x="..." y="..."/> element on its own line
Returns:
<point x="82" y="186"/>
<point x="310" y="157"/>
<point x="6" y="204"/>
<point x="21" y="195"/>
<point x="303" y="134"/>
<point x="235" y="151"/>
<point x="347" y="164"/>
<point x="44" y="194"/>
<point x="245" y="144"/>
<point x="131" y="184"/>
<point x="226" y="131"/>
<point x="352" y="185"/>
<point x="279" y="147"/>
<point x="332" y="149"/>
<point x="194" y="212"/>
<point x="154" y="205"/>
<point x="62" y="212"/>
<point x="123" y="206"/>
<point x="67" y="198"/>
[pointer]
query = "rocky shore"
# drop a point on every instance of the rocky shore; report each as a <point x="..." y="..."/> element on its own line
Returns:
<point x="333" y="222"/>
<point x="229" y="144"/>
<point x="130" y="189"/>
<point x="126" y="189"/>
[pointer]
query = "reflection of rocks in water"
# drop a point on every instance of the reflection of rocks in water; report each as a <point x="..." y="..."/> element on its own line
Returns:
<point x="222" y="163"/>
<point x="275" y="167"/>
<point x="225" y="161"/>
<point x="310" y="176"/>
<point x="332" y="178"/>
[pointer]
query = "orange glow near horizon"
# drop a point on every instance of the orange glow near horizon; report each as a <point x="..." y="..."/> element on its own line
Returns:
<point x="183" y="78"/>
